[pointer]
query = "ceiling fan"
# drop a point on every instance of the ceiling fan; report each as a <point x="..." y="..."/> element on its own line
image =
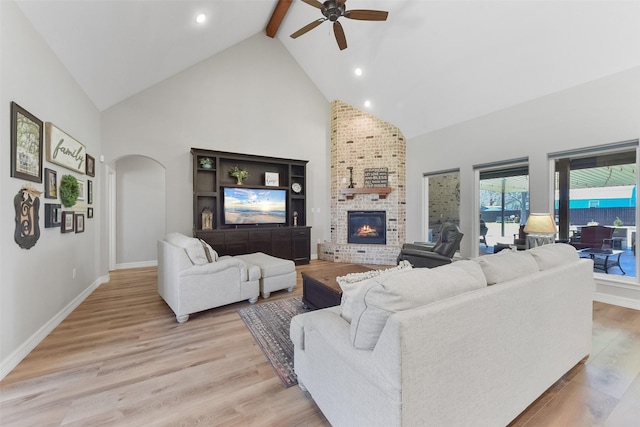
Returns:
<point x="334" y="9"/>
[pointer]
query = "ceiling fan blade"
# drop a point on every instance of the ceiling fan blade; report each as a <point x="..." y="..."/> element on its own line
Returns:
<point x="314" y="3"/>
<point x="307" y="27"/>
<point x="340" y="38"/>
<point x="367" y="15"/>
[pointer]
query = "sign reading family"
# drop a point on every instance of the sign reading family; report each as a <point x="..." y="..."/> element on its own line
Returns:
<point x="63" y="150"/>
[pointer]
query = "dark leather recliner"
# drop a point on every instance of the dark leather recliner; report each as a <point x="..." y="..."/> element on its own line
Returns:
<point x="440" y="253"/>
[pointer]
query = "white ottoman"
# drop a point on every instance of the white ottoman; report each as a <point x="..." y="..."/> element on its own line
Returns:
<point x="275" y="273"/>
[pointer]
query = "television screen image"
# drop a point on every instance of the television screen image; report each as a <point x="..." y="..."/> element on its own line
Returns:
<point x="254" y="206"/>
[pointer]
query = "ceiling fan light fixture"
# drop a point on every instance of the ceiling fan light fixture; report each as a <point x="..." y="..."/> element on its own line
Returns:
<point x="334" y="9"/>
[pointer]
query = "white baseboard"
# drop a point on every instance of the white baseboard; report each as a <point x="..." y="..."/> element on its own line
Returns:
<point x="21" y="352"/>
<point x="141" y="264"/>
<point x="616" y="300"/>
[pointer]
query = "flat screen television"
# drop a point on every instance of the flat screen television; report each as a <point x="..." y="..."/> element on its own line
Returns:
<point x="251" y="206"/>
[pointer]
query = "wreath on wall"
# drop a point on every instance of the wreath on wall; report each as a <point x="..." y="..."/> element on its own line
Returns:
<point x="68" y="190"/>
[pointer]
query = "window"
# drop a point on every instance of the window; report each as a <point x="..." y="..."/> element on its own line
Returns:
<point x="598" y="188"/>
<point x="442" y="202"/>
<point x="504" y="204"/>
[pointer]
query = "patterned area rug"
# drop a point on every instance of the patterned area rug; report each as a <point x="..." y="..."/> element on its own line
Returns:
<point x="269" y="325"/>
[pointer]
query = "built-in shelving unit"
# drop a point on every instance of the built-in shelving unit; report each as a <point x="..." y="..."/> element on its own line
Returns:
<point x="290" y="240"/>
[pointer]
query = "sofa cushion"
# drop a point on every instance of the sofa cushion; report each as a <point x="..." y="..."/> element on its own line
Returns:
<point x="192" y="246"/>
<point x="382" y="296"/>
<point x="507" y="265"/>
<point x="549" y="256"/>
<point x="352" y="282"/>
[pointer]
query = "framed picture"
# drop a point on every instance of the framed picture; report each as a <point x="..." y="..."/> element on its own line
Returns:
<point x="271" y="179"/>
<point x="91" y="166"/>
<point x="26" y="144"/>
<point x="65" y="151"/>
<point x="89" y="191"/>
<point x="80" y="190"/>
<point x="50" y="184"/>
<point x="89" y="212"/>
<point x="52" y="215"/>
<point x="79" y="220"/>
<point x="67" y="223"/>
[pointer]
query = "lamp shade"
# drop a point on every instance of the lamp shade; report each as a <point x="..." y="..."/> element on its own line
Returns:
<point x="540" y="223"/>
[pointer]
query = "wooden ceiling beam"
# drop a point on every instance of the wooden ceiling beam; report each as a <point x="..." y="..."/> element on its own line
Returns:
<point x="276" y="18"/>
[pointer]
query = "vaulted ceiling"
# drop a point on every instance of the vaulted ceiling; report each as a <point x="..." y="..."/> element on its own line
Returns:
<point x="430" y="65"/>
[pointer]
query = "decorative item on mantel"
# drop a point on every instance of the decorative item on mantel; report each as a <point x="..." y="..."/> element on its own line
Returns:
<point x="376" y="177"/>
<point x="27" y="205"/>
<point x="351" y="184"/>
<point x="206" y="162"/>
<point x="239" y="174"/>
<point x="376" y="181"/>
<point x="207" y="219"/>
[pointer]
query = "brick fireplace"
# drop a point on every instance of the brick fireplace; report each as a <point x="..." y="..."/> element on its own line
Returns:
<point x="361" y="141"/>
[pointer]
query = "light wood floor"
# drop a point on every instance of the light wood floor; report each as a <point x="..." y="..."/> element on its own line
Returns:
<point x="120" y="359"/>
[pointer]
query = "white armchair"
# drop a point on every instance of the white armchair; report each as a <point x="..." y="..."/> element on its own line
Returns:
<point x="191" y="277"/>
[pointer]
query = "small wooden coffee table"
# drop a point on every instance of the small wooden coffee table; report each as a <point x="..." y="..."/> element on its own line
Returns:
<point x="320" y="289"/>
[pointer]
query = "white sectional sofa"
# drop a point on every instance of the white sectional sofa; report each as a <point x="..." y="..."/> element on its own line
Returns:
<point x="472" y="343"/>
<point x="192" y="278"/>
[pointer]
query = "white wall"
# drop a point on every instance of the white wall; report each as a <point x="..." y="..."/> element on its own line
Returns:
<point x="37" y="288"/>
<point x="252" y="98"/>
<point x="141" y="192"/>
<point x="600" y="112"/>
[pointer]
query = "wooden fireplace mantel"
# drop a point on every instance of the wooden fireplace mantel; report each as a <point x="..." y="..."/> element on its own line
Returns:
<point x="380" y="191"/>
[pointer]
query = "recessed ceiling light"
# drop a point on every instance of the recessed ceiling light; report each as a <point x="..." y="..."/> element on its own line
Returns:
<point x="358" y="71"/>
<point x="201" y="18"/>
<point x="367" y="103"/>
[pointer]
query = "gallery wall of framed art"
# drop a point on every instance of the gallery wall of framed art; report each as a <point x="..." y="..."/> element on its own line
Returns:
<point x="31" y="141"/>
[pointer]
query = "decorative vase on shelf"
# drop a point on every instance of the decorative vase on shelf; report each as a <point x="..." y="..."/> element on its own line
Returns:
<point x="239" y="174"/>
<point x="206" y="163"/>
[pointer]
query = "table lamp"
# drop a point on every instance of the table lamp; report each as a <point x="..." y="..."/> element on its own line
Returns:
<point x="540" y="229"/>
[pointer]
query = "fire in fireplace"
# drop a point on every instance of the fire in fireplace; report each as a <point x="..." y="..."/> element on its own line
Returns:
<point x="367" y="227"/>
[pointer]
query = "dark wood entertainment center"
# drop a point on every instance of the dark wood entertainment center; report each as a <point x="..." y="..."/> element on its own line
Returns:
<point x="289" y="240"/>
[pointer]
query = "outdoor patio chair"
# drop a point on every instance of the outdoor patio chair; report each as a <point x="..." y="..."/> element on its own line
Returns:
<point x="594" y="237"/>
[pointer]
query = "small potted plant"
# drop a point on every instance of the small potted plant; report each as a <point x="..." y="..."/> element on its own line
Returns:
<point x="206" y="162"/>
<point x="239" y="174"/>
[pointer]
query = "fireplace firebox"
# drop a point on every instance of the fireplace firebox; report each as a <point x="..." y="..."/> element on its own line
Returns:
<point x="367" y="227"/>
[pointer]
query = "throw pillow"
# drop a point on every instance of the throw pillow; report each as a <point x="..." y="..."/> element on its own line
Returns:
<point x="191" y="245"/>
<point x="404" y="290"/>
<point x="212" y="255"/>
<point x="507" y="265"/>
<point x="352" y="283"/>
